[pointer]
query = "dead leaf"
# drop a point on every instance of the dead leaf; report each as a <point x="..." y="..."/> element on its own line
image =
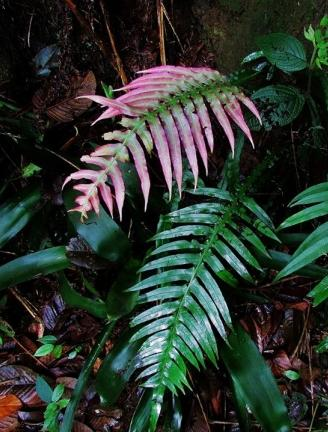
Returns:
<point x="20" y="381"/>
<point x="9" y="404"/>
<point x="70" y="107"/>
<point x="9" y="423"/>
<point x="81" y="427"/>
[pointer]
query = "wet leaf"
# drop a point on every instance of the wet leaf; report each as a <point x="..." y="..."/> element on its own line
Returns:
<point x="117" y="368"/>
<point x="9" y="404"/>
<point x="101" y="233"/>
<point x="43" y="389"/>
<point x="20" y="381"/>
<point x="70" y="107"/>
<point x="16" y="212"/>
<point x="27" y="267"/>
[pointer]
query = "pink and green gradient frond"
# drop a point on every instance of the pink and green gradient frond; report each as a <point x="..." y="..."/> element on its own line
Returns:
<point x="166" y="109"/>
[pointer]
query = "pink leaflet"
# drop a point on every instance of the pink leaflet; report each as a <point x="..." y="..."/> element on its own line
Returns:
<point x="173" y="139"/>
<point x="196" y="132"/>
<point x="82" y="174"/>
<point x="141" y="166"/>
<point x="149" y="82"/>
<point x="114" y="103"/>
<point x="131" y="95"/>
<point x="176" y="69"/>
<point x="162" y="148"/>
<point x="187" y="140"/>
<point x="96" y="160"/>
<point x="250" y="105"/>
<point x="109" y="113"/>
<point x="107" y="197"/>
<point x="119" y="187"/>
<point x="234" y="110"/>
<point x="117" y="150"/>
<point x="204" y="121"/>
<point x="102" y="100"/>
<point x="94" y="201"/>
<point x="223" y="120"/>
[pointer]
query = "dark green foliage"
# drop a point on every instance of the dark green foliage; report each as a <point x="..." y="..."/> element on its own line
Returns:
<point x="210" y="244"/>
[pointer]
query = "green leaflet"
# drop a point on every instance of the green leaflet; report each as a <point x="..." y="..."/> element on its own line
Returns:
<point x="319" y="292"/>
<point x="284" y="51"/>
<point x="103" y="235"/>
<point x="17" y="212"/>
<point x="246" y="367"/>
<point x="38" y="263"/>
<point x="198" y="247"/>
<point x="305" y="215"/>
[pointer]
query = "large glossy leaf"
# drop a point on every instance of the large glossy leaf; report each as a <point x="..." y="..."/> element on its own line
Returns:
<point x="117" y="368"/>
<point x="320" y="292"/>
<point x="282" y="104"/>
<point x="284" y="51"/>
<point x="38" y="263"/>
<point x="254" y="381"/>
<point x="102" y="234"/>
<point x="119" y="301"/>
<point x="75" y="299"/>
<point x="140" y="419"/>
<point x="17" y="212"/>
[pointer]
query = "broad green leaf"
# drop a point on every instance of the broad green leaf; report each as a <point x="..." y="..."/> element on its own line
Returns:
<point x="120" y="301"/>
<point x="292" y="375"/>
<point x="58" y="392"/>
<point x="102" y="234"/>
<point x="284" y="51"/>
<point x="117" y="369"/>
<point x="322" y="346"/>
<point x="44" y="350"/>
<point x="140" y="419"/>
<point x="282" y="104"/>
<point x="77" y="300"/>
<point x="247" y="367"/>
<point x="48" y="339"/>
<point x="29" y="266"/>
<point x="43" y="389"/>
<point x="17" y="212"/>
<point x="319" y="292"/>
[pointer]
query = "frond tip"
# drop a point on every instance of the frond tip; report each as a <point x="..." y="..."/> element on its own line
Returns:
<point x="167" y="109"/>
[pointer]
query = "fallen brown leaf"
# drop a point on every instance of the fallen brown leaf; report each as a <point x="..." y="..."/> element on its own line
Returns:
<point x="9" y="404"/>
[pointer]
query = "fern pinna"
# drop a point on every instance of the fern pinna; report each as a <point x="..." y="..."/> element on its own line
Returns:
<point x="167" y="108"/>
<point x="208" y="245"/>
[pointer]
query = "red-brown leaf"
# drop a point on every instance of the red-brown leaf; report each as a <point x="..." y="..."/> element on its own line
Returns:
<point x="9" y="404"/>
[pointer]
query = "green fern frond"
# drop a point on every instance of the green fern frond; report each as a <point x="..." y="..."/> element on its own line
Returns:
<point x="208" y="244"/>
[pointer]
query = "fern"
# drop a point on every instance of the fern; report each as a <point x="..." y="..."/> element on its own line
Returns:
<point x="167" y="108"/>
<point x="208" y="244"/>
<point x="315" y="198"/>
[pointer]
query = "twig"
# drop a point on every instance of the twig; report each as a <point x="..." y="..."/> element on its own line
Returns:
<point x="160" y="20"/>
<point x="87" y="27"/>
<point x="31" y="309"/>
<point x="300" y="341"/>
<point x="39" y="362"/>
<point x="118" y="60"/>
<point x="29" y="31"/>
<point x="172" y="28"/>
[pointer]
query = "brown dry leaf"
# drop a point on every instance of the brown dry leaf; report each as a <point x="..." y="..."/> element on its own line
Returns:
<point x="81" y="427"/>
<point x="70" y="107"/>
<point x="9" y="404"/>
<point x="9" y="423"/>
<point x="20" y="381"/>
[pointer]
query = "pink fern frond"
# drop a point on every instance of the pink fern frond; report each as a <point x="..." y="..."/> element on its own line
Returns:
<point x="166" y="108"/>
